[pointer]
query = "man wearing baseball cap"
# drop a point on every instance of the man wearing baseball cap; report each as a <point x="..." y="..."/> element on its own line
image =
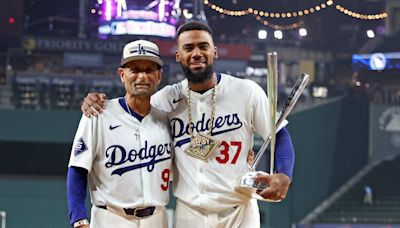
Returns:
<point x="141" y="50"/>
<point x="124" y="154"/>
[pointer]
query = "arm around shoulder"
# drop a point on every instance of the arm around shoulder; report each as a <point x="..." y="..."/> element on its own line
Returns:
<point x="93" y="104"/>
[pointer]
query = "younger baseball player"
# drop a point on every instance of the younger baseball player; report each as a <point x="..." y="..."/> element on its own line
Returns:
<point x="125" y="154"/>
<point x="208" y="109"/>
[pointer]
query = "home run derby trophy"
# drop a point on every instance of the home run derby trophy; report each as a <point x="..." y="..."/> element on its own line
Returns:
<point x="247" y="185"/>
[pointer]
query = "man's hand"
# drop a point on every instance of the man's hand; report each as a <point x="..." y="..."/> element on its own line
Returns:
<point x="278" y="186"/>
<point x="93" y="104"/>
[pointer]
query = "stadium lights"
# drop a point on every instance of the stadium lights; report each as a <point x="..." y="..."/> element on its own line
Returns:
<point x="161" y="10"/>
<point x="186" y="14"/>
<point x="302" y="32"/>
<point x="262" y="34"/>
<point x="121" y="5"/>
<point x="11" y="20"/>
<point x="108" y="10"/>
<point x="278" y="34"/>
<point x="370" y="34"/>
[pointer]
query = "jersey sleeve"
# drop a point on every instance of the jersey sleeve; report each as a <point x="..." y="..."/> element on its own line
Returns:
<point x="163" y="99"/>
<point x="260" y="113"/>
<point x="159" y="99"/>
<point x="83" y="150"/>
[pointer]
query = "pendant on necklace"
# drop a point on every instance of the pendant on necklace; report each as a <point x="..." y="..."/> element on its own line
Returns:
<point x="201" y="146"/>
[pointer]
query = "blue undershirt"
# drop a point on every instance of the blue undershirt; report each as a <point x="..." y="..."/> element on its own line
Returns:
<point x="76" y="192"/>
<point x="284" y="148"/>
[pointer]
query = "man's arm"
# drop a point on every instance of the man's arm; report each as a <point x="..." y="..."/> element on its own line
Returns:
<point x="284" y="162"/>
<point x="278" y="183"/>
<point x="76" y="193"/>
<point x="93" y="104"/>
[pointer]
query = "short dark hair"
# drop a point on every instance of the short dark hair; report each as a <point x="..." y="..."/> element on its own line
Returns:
<point x="194" y="25"/>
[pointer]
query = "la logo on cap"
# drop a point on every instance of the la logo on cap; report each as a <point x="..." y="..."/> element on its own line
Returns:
<point x="142" y="51"/>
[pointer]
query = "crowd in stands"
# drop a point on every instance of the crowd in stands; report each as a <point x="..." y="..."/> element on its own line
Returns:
<point x="59" y="93"/>
<point x="52" y="91"/>
<point x="43" y="82"/>
<point x="67" y="93"/>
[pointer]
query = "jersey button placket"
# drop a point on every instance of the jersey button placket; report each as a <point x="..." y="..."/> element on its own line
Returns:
<point x="143" y="171"/>
<point x="202" y="178"/>
<point x="136" y="134"/>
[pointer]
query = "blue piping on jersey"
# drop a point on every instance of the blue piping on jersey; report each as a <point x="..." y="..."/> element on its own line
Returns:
<point x="122" y="102"/>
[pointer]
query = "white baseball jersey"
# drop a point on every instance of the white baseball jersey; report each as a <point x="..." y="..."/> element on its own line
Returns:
<point x="128" y="160"/>
<point x="241" y="109"/>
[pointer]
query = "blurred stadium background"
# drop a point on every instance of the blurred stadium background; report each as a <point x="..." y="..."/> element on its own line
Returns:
<point x="345" y="129"/>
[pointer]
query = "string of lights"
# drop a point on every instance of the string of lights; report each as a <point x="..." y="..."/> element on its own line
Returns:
<point x="359" y="15"/>
<point x="294" y="25"/>
<point x="237" y="13"/>
<point x="260" y="13"/>
<point x="298" y="13"/>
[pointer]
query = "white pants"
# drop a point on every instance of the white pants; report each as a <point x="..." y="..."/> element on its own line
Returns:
<point x="102" y="218"/>
<point x="243" y="216"/>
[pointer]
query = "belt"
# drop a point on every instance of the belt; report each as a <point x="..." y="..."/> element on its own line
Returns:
<point x="139" y="212"/>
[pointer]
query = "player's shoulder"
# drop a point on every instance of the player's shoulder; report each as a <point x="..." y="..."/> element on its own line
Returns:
<point x="242" y="83"/>
<point x="157" y="111"/>
<point x="170" y="90"/>
<point x="166" y="98"/>
<point x="158" y="116"/>
<point x="113" y="107"/>
<point x="112" y="104"/>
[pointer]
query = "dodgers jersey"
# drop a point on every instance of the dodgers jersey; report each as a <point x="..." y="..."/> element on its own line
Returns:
<point x="128" y="160"/>
<point x="241" y="109"/>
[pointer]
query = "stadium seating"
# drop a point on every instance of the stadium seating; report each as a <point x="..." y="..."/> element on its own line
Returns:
<point x="59" y="93"/>
<point x="25" y="94"/>
<point x="385" y="208"/>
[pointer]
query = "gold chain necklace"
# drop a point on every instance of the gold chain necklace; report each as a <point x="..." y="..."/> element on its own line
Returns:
<point x="202" y="145"/>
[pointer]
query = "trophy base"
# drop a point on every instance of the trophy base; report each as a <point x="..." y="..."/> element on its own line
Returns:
<point x="248" y="186"/>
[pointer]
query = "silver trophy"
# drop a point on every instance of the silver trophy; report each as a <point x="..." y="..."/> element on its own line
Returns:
<point x="246" y="184"/>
